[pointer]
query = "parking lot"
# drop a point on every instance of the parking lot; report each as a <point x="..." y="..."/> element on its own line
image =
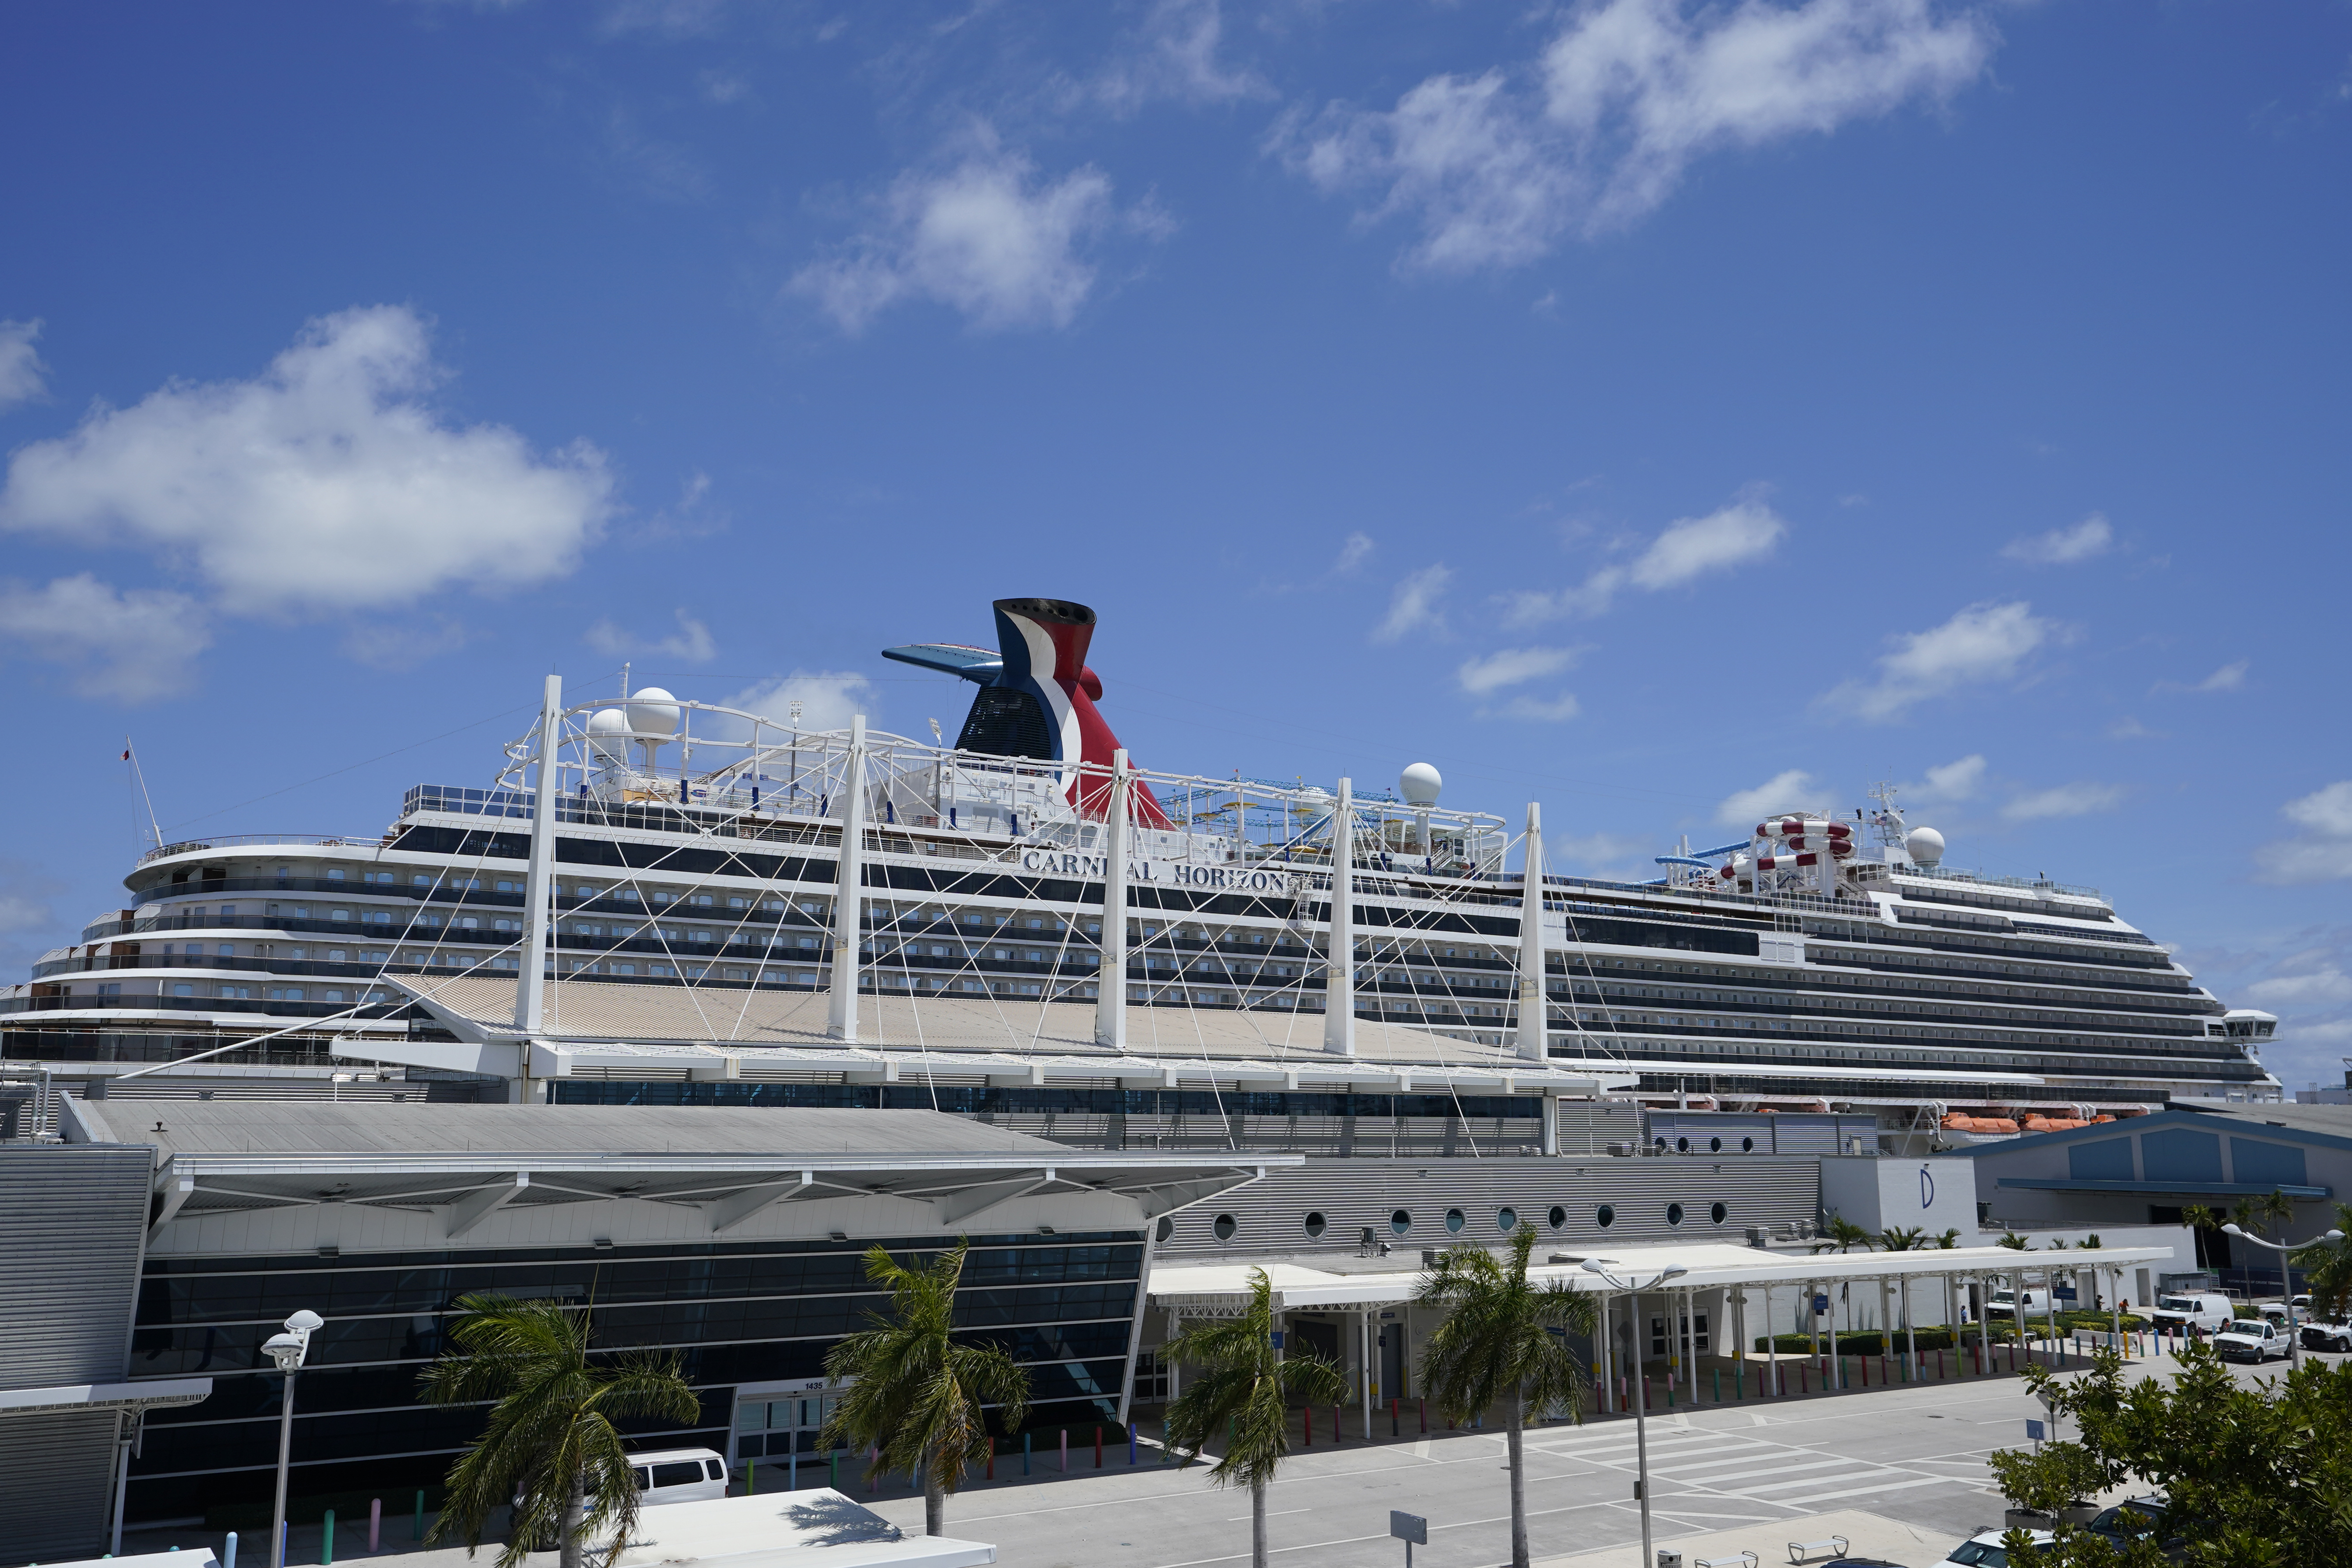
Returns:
<point x="1915" y="1452"/>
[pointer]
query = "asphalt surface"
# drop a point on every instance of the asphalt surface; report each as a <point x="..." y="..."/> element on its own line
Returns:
<point x="1915" y="1452"/>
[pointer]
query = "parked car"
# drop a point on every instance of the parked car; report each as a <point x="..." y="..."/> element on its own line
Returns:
<point x="679" y="1475"/>
<point x="2003" y="1303"/>
<point x="2208" y="1311"/>
<point x="2327" y="1336"/>
<point x="2138" y="1518"/>
<point x="2253" y="1339"/>
<point x="2276" y="1311"/>
<point x="1984" y="1550"/>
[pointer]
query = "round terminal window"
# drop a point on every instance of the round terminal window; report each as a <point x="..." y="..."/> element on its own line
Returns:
<point x="1718" y="1213"/>
<point x="1507" y="1219"/>
<point x="1401" y="1222"/>
<point x="1224" y="1227"/>
<point x="1315" y="1224"/>
<point x="1453" y="1219"/>
<point x="1605" y="1216"/>
<point x="1674" y="1214"/>
<point x="1558" y="1217"/>
<point x="1748" y="1145"/>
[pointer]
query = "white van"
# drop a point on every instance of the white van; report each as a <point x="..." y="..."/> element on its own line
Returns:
<point x="679" y="1475"/>
<point x="2205" y="1310"/>
<point x="2003" y="1303"/>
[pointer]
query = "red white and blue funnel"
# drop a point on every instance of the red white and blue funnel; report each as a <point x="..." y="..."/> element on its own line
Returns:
<point x="1038" y="697"/>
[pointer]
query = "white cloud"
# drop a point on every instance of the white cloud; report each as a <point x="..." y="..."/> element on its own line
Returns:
<point x="327" y="483"/>
<point x="2229" y="677"/>
<point x="403" y="645"/>
<point x="1684" y="551"/>
<point x="1413" y="607"/>
<point x="22" y="374"/>
<point x="828" y="698"/>
<point x="2324" y="985"/>
<point x="1174" y="55"/>
<point x="2065" y="800"/>
<point x="1984" y="642"/>
<point x="1953" y="781"/>
<point x="2327" y="811"/>
<point x="1781" y="791"/>
<point x="2130" y="729"/>
<point x="1352" y="555"/>
<point x="1495" y="168"/>
<point x="989" y="239"/>
<point x="2063" y="546"/>
<point x="2322" y="852"/>
<point x="24" y="895"/>
<point x="1603" y="855"/>
<point x="1511" y="667"/>
<point x="131" y="647"/>
<point x="692" y="644"/>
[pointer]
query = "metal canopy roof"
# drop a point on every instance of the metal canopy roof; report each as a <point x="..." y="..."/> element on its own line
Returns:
<point x="1220" y="1288"/>
<point x="596" y="1028"/>
<point x="732" y="1162"/>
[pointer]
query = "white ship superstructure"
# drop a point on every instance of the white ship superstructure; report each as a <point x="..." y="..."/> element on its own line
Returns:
<point x="700" y="937"/>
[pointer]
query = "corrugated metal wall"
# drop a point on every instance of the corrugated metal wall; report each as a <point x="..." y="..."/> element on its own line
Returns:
<point x="1270" y="1215"/>
<point x="1377" y="1137"/>
<point x="71" y="1218"/>
<point x="56" y="1486"/>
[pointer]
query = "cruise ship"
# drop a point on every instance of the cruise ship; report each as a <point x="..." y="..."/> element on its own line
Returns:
<point x="1029" y="927"/>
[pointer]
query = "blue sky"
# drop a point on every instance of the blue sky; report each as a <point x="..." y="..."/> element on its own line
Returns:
<point x="1658" y="411"/>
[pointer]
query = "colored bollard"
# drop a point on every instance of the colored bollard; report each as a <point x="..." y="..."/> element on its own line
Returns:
<point x="327" y="1539"/>
<point x="1066" y="1450"/>
<point x="991" y="1458"/>
<point x="228" y="1550"/>
<point x="416" y="1530"/>
<point x="750" y="1478"/>
<point x="1395" y="1428"/>
<point x="792" y="1466"/>
<point x="1026" y="1437"/>
<point x="375" y="1525"/>
<point x="1132" y="1445"/>
<point x="1306" y="1424"/>
<point x="1425" y="1417"/>
<point x="1098" y="1448"/>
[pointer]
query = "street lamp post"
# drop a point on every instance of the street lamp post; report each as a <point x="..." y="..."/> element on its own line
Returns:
<point x="1642" y="1396"/>
<point x="288" y="1349"/>
<point x="2286" y="1285"/>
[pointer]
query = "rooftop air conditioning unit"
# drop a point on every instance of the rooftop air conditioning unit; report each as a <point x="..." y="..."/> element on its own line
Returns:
<point x="1622" y="1151"/>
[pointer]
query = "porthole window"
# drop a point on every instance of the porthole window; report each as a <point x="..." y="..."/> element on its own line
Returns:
<point x="1507" y="1219"/>
<point x="1558" y="1217"/>
<point x="1399" y="1222"/>
<point x="1453" y="1219"/>
<point x="1748" y="1145"/>
<point x="1167" y="1230"/>
<point x="1223" y="1226"/>
<point x="1674" y="1214"/>
<point x="1605" y="1216"/>
<point x="1682" y="1145"/>
<point x="1315" y="1224"/>
<point x="1718" y="1213"/>
<point x="1714" y="1145"/>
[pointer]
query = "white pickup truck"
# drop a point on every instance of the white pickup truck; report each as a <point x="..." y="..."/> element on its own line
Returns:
<point x="2253" y="1339"/>
<point x="2003" y="1303"/>
<point x="2206" y="1311"/>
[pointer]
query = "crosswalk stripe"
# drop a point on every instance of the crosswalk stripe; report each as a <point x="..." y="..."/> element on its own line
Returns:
<point x="1742" y="1488"/>
<point x="1889" y="1487"/>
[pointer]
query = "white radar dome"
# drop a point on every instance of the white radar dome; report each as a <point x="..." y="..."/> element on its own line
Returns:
<point x="608" y="731"/>
<point x="1925" y="844"/>
<point x="1418" y="784"/>
<point x="653" y="714"/>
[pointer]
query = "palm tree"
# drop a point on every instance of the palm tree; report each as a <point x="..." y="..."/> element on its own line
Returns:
<point x="1898" y="1239"/>
<point x="1949" y="1239"/>
<point x="551" y="1441"/>
<point x="915" y="1396"/>
<point x="1504" y="1338"/>
<point x="1841" y="1235"/>
<point x="1244" y="1394"/>
<point x="2014" y="1242"/>
<point x="2199" y="1218"/>
<point x="2328" y="1268"/>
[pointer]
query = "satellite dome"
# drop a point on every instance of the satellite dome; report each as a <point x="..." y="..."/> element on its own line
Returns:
<point x="653" y="714"/>
<point x="1418" y="784"/>
<point x="608" y="732"/>
<point x="1925" y="844"/>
